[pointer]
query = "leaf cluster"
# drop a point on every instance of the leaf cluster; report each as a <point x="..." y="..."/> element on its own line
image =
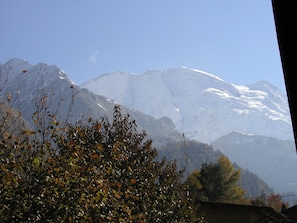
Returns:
<point x="97" y="171"/>
<point x="216" y="182"/>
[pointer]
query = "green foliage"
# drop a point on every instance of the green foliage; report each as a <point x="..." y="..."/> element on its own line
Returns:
<point x="216" y="182"/>
<point x="89" y="172"/>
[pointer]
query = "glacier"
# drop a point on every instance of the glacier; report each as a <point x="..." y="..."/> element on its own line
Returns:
<point x="199" y="102"/>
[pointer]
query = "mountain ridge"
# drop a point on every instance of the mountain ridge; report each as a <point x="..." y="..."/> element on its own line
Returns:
<point x="26" y="84"/>
<point x="274" y="160"/>
<point x="196" y="100"/>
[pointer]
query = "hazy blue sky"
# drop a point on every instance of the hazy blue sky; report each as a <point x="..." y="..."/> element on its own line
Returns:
<point x="233" y="39"/>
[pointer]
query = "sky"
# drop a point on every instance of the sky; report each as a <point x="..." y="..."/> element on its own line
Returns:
<point x="233" y="39"/>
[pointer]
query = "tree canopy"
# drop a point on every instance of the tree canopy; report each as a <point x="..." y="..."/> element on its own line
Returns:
<point x="98" y="171"/>
<point x="216" y="182"/>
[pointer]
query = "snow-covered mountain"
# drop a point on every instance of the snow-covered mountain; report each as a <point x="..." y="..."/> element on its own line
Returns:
<point x="161" y="102"/>
<point x="27" y="86"/>
<point x="200" y="104"/>
<point x="208" y="109"/>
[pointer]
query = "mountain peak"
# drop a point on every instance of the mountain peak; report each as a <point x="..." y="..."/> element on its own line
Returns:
<point x="17" y="65"/>
<point x="195" y="101"/>
<point x="17" y="61"/>
<point x="202" y="72"/>
<point x="17" y="68"/>
<point x="200" y="102"/>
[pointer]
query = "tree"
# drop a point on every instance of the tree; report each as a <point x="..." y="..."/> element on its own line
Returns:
<point x="89" y="172"/>
<point x="216" y="182"/>
<point x="275" y="201"/>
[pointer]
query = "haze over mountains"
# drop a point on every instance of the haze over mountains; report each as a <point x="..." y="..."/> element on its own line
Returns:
<point x="168" y="103"/>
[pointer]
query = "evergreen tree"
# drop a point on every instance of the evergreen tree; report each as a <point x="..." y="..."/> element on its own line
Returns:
<point x="216" y="182"/>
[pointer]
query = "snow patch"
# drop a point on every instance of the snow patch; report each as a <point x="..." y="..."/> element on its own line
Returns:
<point x="100" y="106"/>
<point x="198" y="101"/>
<point x="203" y="72"/>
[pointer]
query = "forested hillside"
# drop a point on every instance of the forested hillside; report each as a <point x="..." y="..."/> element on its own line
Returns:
<point x="191" y="154"/>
